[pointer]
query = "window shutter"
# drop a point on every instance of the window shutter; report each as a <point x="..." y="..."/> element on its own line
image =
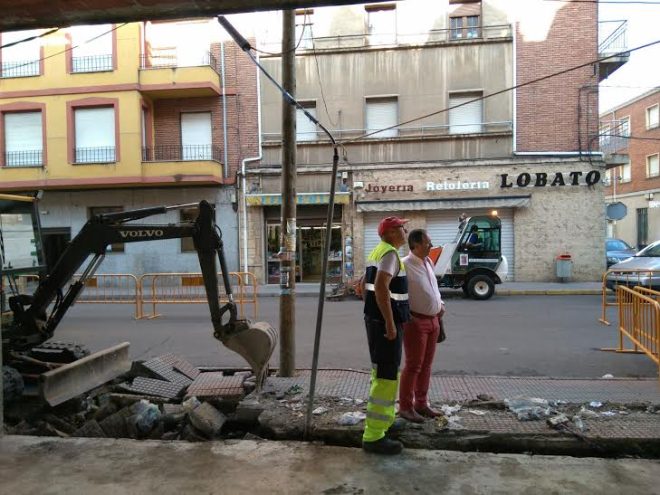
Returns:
<point x="466" y="119"/>
<point x="95" y="134"/>
<point x="305" y="128"/>
<point x="382" y="114"/>
<point x="23" y="139"/>
<point x="196" y="136"/>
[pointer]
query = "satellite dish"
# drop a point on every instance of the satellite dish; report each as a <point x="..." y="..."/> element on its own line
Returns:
<point x="616" y="211"/>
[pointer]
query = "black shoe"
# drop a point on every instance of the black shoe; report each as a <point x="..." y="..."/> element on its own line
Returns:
<point x="396" y="427"/>
<point x="385" y="446"/>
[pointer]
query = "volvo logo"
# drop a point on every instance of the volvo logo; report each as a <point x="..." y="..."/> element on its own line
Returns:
<point x="141" y="233"/>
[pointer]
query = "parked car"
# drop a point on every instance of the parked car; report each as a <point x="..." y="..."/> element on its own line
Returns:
<point x="617" y="251"/>
<point x="647" y="259"/>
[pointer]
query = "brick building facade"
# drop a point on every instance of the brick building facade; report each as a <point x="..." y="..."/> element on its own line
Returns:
<point x="630" y="139"/>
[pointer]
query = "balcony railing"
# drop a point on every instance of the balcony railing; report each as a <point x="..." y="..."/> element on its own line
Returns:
<point x="614" y="136"/>
<point x="101" y="154"/>
<point x="167" y="59"/>
<point x="401" y="39"/>
<point x="173" y="153"/>
<point x="23" y="68"/>
<point x="403" y="132"/>
<point x="613" y="36"/>
<point x="24" y="158"/>
<point x="92" y="63"/>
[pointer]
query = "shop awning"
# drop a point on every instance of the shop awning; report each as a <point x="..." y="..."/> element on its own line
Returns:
<point x="301" y="199"/>
<point x="445" y="204"/>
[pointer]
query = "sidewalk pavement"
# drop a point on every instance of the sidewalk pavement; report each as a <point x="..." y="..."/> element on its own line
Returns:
<point x="101" y="466"/>
<point x="505" y="289"/>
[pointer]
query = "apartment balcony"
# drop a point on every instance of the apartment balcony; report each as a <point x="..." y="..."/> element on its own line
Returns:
<point x="23" y="159"/>
<point x="191" y="163"/>
<point x="20" y="68"/>
<point x="403" y="144"/>
<point x="614" y="45"/>
<point x="377" y="40"/>
<point x="166" y="75"/>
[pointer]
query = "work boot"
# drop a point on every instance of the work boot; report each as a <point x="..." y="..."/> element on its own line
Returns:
<point x="396" y="427"/>
<point x="427" y="412"/>
<point x="384" y="446"/>
<point x="411" y="415"/>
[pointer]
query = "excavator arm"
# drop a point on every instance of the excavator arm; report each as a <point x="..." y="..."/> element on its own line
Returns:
<point x="32" y="325"/>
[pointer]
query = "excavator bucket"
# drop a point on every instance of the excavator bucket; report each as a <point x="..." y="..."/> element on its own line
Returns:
<point x="255" y="342"/>
<point x="73" y="379"/>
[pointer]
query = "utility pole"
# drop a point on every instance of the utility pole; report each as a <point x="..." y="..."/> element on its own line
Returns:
<point x="288" y="226"/>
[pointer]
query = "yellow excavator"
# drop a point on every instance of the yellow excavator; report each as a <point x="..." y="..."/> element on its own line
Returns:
<point x="65" y="371"/>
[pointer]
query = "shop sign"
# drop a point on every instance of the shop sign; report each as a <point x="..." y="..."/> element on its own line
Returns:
<point x="558" y="179"/>
<point x="456" y="185"/>
<point x="375" y="188"/>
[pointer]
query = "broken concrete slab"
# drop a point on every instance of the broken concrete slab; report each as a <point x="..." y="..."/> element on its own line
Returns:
<point x="207" y="419"/>
<point x="91" y="429"/>
<point x="150" y="386"/>
<point x="158" y="369"/>
<point x="248" y="411"/>
<point x="114" y="425"/>
<point x="215" y="384"/>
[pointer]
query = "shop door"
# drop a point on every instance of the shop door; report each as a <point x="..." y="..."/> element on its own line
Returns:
<point x="442" y="227"/>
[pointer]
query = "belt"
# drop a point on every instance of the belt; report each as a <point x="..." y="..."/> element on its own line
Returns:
<point x="423" y="317"/>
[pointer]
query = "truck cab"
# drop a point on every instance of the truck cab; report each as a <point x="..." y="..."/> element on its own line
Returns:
<point x="473" y="261"/>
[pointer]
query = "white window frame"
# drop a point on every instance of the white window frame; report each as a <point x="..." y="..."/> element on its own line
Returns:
<point x="649" y="123"/>
<point x="32" y="155"/>
<point x="380" y="28"/>
<point x="23" y="59"/>
<point x="389" y="133"/>
<point x="604" y="134"/>
<point x="302" y="122"/>
<point x="107" y="152"/>
<point x="470" y="128"/>
<point x="626" y="173"/>
<point x="657" y="165"/>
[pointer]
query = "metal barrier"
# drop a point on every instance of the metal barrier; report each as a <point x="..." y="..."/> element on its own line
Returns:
<point x="188" y="288"/>
<point x="639" y="320"/>
<point x="112" y="288"/>
<point x="630" y="278"/>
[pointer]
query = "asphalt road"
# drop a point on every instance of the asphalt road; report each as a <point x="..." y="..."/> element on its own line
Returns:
<point x="508" y="335"/>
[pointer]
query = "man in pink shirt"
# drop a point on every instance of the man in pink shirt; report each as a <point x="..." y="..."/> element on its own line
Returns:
<point x="420" y="334"/>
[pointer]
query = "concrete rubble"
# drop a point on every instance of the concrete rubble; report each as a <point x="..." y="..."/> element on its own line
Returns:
<point x="168" y="399"/>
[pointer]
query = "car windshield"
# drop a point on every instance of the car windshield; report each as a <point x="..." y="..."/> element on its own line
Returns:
<point x="651" y="251"/>
<point x="617" y="245"/>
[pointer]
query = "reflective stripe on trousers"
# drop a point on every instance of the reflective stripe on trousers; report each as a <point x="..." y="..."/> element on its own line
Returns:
<point x="380" y="407"/>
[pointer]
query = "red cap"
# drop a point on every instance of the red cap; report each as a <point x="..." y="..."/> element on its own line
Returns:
<point x="390" y="223"/>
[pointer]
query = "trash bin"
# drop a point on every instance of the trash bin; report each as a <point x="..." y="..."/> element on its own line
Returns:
<point x="564" y="266"/>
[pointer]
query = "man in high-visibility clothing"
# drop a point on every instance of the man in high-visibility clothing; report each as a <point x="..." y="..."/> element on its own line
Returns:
<point x="385" y="310"/>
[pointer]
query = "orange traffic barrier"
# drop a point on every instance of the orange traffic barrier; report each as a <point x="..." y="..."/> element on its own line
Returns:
<point x="639" y="322"/>
<point x="629" y="278"/>
<point x="188" y="288"/>
<point x="112" y="288"/>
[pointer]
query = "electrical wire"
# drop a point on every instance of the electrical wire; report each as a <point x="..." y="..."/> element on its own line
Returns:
<point x="619" y="2"/>
<point x="318" y="74"/>
<point x="14" y="43"/>
<point x="502" y="91"/>
<point x="71" y="47"/>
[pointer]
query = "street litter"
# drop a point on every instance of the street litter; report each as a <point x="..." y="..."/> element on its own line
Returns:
<point x="453" y="423"/>
<point x="609" y="413"/>
<point x="476" y="412"/>
<point x="607" y="376"/>
<point x="320" y="410"/>
<point x="587" y="413"/>
<point x="441" y="422"/>
<point x="579" y="424"/>
<point x="448" y="410"/>
<point x="559" y="419"/>
<point x="351" y="418"/>
<point x="529" y="408"/>
<point x="595" y="404"/>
